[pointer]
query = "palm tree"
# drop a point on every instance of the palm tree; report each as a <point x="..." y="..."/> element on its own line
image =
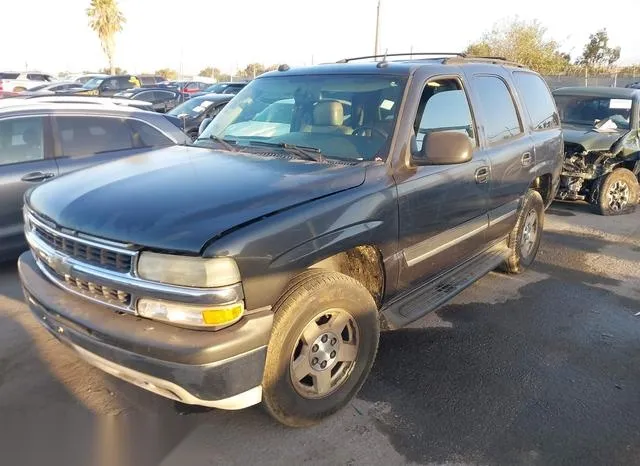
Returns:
<point x="106" y="19"/>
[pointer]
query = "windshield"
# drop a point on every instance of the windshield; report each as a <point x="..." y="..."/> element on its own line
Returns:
<point x="216" y="88"/>
<point x="344" y="116"/>
<point x="192" y="107"/>
<point x="93" y="83"/>
<point x="589" y="111"/>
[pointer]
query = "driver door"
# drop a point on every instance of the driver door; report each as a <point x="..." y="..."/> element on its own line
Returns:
<point x="443" y="208"/>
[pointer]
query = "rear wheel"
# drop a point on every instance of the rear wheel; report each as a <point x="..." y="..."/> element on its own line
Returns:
<point x="618" y="193"/>
<point x="322" y="346"/>
<point x="524" y="239"/>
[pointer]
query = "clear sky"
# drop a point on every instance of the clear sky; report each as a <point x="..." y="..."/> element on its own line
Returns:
<point x="54" y="36"/>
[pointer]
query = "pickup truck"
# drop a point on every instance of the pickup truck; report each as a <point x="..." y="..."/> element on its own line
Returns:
<point x="262" y="265"/>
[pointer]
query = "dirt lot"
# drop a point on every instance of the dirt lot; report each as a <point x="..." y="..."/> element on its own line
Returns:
<point x="540" y="368"/>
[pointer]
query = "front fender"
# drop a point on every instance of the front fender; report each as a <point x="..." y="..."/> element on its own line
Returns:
<point x="271" y="251"/>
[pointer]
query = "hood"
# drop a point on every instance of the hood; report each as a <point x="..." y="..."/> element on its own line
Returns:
<point x="590" y="139"/>
<point x="179" y="198"/>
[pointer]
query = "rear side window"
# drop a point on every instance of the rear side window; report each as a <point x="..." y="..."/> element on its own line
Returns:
<point x="36" y="77"/>
<point x="163" y="96"/>
<point x="84" y="136"/>
<point x="537" y="99"/>
<point x="145" y="135"/>
<point x="9" y="75"/>
<point x="21" y="140"/>
<point x="500" y="115"/>
<point x="148" y="96"/>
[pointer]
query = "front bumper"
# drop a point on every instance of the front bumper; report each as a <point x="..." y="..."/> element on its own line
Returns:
<point x="220" y="369"/>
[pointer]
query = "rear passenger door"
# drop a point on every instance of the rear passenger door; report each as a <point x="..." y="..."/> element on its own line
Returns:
<point x="509" y="147"/>
<point x="83" y="141"/>
<point x="544" y="125"/>
<point x="25" y="161"/>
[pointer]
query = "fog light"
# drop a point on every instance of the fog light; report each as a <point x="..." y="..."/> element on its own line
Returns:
<point x="190" y="315"/>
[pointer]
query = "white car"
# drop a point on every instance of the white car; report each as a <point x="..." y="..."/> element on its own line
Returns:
<point x="16" y="81"/>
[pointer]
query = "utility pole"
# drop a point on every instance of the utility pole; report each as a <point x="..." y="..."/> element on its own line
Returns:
<point x="377" y="27"/>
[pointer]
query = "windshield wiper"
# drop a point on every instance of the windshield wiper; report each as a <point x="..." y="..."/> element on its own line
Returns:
<point x="303" y="152"/>
<point x="226" y="143"/>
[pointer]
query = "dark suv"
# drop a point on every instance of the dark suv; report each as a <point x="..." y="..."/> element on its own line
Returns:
<point x="323" y="204"/>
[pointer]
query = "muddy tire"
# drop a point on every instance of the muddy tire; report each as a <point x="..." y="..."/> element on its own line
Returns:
<point x="323" y="344"/>
<point x="618" y="193"/>
<point x="524" y="239"/>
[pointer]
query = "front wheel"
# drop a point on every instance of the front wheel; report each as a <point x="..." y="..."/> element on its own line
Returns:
<point x="323" y="343"/>
<point x="618" y="193"/>
<point x="524" y="239"/>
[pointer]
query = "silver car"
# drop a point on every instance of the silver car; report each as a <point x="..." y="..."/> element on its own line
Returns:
<point x="43" y="140"/>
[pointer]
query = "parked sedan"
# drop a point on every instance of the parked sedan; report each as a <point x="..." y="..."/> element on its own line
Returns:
<point x="162" y="100"/>
<point x="41" y="140"/>
<point x="195" y="110"/>
<point x="225" y="87"/>
<point x="108" y="86"/>
<point x="53" y="88"/>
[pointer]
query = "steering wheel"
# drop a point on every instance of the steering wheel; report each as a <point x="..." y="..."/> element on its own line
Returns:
<point x="373" y="129"/>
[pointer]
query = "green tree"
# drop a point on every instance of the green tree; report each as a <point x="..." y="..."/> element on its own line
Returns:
<point x="210" y="72"/>
<point x="116" y="70"/>
<point x="524" y="42"/>
<point x="597" y="54"/>
<point x="167" y="73"/>
<point x="106" y="19"/>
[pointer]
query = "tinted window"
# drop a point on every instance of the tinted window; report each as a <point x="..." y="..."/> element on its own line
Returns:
<point x="444" y="107"/>
<point x="147" y="136"/>
<point x="148" y="96"/>
<point x="36" y="77"/>
<point x="163" y="96"/>
<point x="146" y="80"/>
<point x="537" y="99"/>
<point x="21" y="140"/>
<point x="501" y="118"/>
<point x="81" y="136"/>
<point x="124" y="82"/>
<point x="9" y="75"/>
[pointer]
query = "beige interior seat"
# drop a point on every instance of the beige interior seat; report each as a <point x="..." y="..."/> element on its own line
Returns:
<point x="328" y="117"/>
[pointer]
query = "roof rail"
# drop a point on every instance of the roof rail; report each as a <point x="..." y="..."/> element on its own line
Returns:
<point x="410" y="54"/>
<point x="483" y="59"/>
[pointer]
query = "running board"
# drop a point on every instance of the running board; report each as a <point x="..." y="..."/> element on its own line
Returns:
<point x="431" y="295"/>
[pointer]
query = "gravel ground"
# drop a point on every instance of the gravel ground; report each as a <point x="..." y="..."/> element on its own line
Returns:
<point x="539" y="368"/>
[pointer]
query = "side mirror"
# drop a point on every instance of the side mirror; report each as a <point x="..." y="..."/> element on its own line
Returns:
<point x="444" y="148"/>
<point x="203" y="125"/>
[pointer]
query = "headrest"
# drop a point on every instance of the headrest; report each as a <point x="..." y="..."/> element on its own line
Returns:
<point x="30" y="136"/>
<point x="328" y="113"/>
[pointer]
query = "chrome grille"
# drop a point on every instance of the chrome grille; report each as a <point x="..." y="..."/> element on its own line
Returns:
<point x="98" y="291"/>
<point x="94" y="255"/>
<point x="105" y="294"/>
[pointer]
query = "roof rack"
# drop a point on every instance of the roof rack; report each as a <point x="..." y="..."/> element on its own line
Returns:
<point x="483" y="59"/>
<point x="410" y="54"/>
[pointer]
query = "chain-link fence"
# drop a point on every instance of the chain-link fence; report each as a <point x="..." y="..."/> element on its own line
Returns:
<point x="607" y="80"/>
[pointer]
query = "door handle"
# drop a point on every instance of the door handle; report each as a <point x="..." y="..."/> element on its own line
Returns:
<point x="37" y="176"/>
<point x="482" y="175"/>
<point x="526" y="159"/>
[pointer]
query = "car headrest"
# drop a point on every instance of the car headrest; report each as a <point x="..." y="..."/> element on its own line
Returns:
<point x="328" y="113"/>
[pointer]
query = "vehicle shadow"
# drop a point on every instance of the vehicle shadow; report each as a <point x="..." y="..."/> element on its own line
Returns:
<point x="547" y="377"/>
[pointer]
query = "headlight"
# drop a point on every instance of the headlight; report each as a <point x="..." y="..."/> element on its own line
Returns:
<point x="190" y="315"/>
<point x="188" y="271"/>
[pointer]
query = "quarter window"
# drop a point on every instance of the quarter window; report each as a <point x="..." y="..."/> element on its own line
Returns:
<point x="537" y="99"/>
<point x="501" y="117"/>
<point x="147" y="136"/>
<point x="84" y="136"/>
<point x="443" y="107"/>
<point x="21" y="140"/>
